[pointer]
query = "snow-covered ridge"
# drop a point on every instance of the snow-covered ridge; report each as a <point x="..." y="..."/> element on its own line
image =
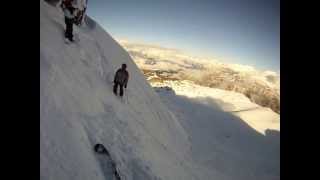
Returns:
<point x="78" y="109"/>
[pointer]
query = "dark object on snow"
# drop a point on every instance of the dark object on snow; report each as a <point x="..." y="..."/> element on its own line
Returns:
<point x="121" y="79"/>
<point x="99" y="148"/>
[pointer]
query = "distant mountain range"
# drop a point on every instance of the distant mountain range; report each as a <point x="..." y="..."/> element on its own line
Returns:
<point x="164" y="64"/>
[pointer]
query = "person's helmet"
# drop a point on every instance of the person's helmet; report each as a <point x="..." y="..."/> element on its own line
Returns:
<point x="124" y="66"/>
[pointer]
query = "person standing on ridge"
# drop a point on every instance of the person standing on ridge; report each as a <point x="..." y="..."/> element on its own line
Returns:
<point x="120" y="79"/>
<point x="69" y="17"/>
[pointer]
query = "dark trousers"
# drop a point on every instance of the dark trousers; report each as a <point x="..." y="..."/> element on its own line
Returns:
<point x="69" y="28"/>
<point x="115" y="88"/>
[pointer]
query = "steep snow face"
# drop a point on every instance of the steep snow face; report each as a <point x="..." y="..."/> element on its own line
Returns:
<point x="259" y="118"/>
<point x="78" y="109"/>
<point x="223" y="127"/>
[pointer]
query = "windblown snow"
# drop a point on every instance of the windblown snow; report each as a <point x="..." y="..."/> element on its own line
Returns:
<point x="144" y="135"/>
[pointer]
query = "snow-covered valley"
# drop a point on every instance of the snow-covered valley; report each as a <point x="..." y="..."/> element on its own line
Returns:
<point x="159" y="64"/>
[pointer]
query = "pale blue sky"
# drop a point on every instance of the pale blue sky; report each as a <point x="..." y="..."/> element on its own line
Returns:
<point x="235" y="31"/>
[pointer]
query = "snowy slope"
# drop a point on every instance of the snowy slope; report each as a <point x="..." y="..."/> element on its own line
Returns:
<point x="144" y="137"/>
<point x="78" y="109"/>
<point x="259" y="118"/>
<point x="223" y="127"/>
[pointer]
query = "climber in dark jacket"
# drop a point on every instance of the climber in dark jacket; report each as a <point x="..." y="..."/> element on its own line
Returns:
<point x="69" y="17"/>
<point x="121" y="79"/>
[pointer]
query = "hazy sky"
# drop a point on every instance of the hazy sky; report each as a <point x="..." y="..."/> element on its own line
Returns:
<point x="237" y="31"/>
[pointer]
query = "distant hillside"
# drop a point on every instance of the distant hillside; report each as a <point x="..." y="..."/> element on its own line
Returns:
<point x="158" y="64"/>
